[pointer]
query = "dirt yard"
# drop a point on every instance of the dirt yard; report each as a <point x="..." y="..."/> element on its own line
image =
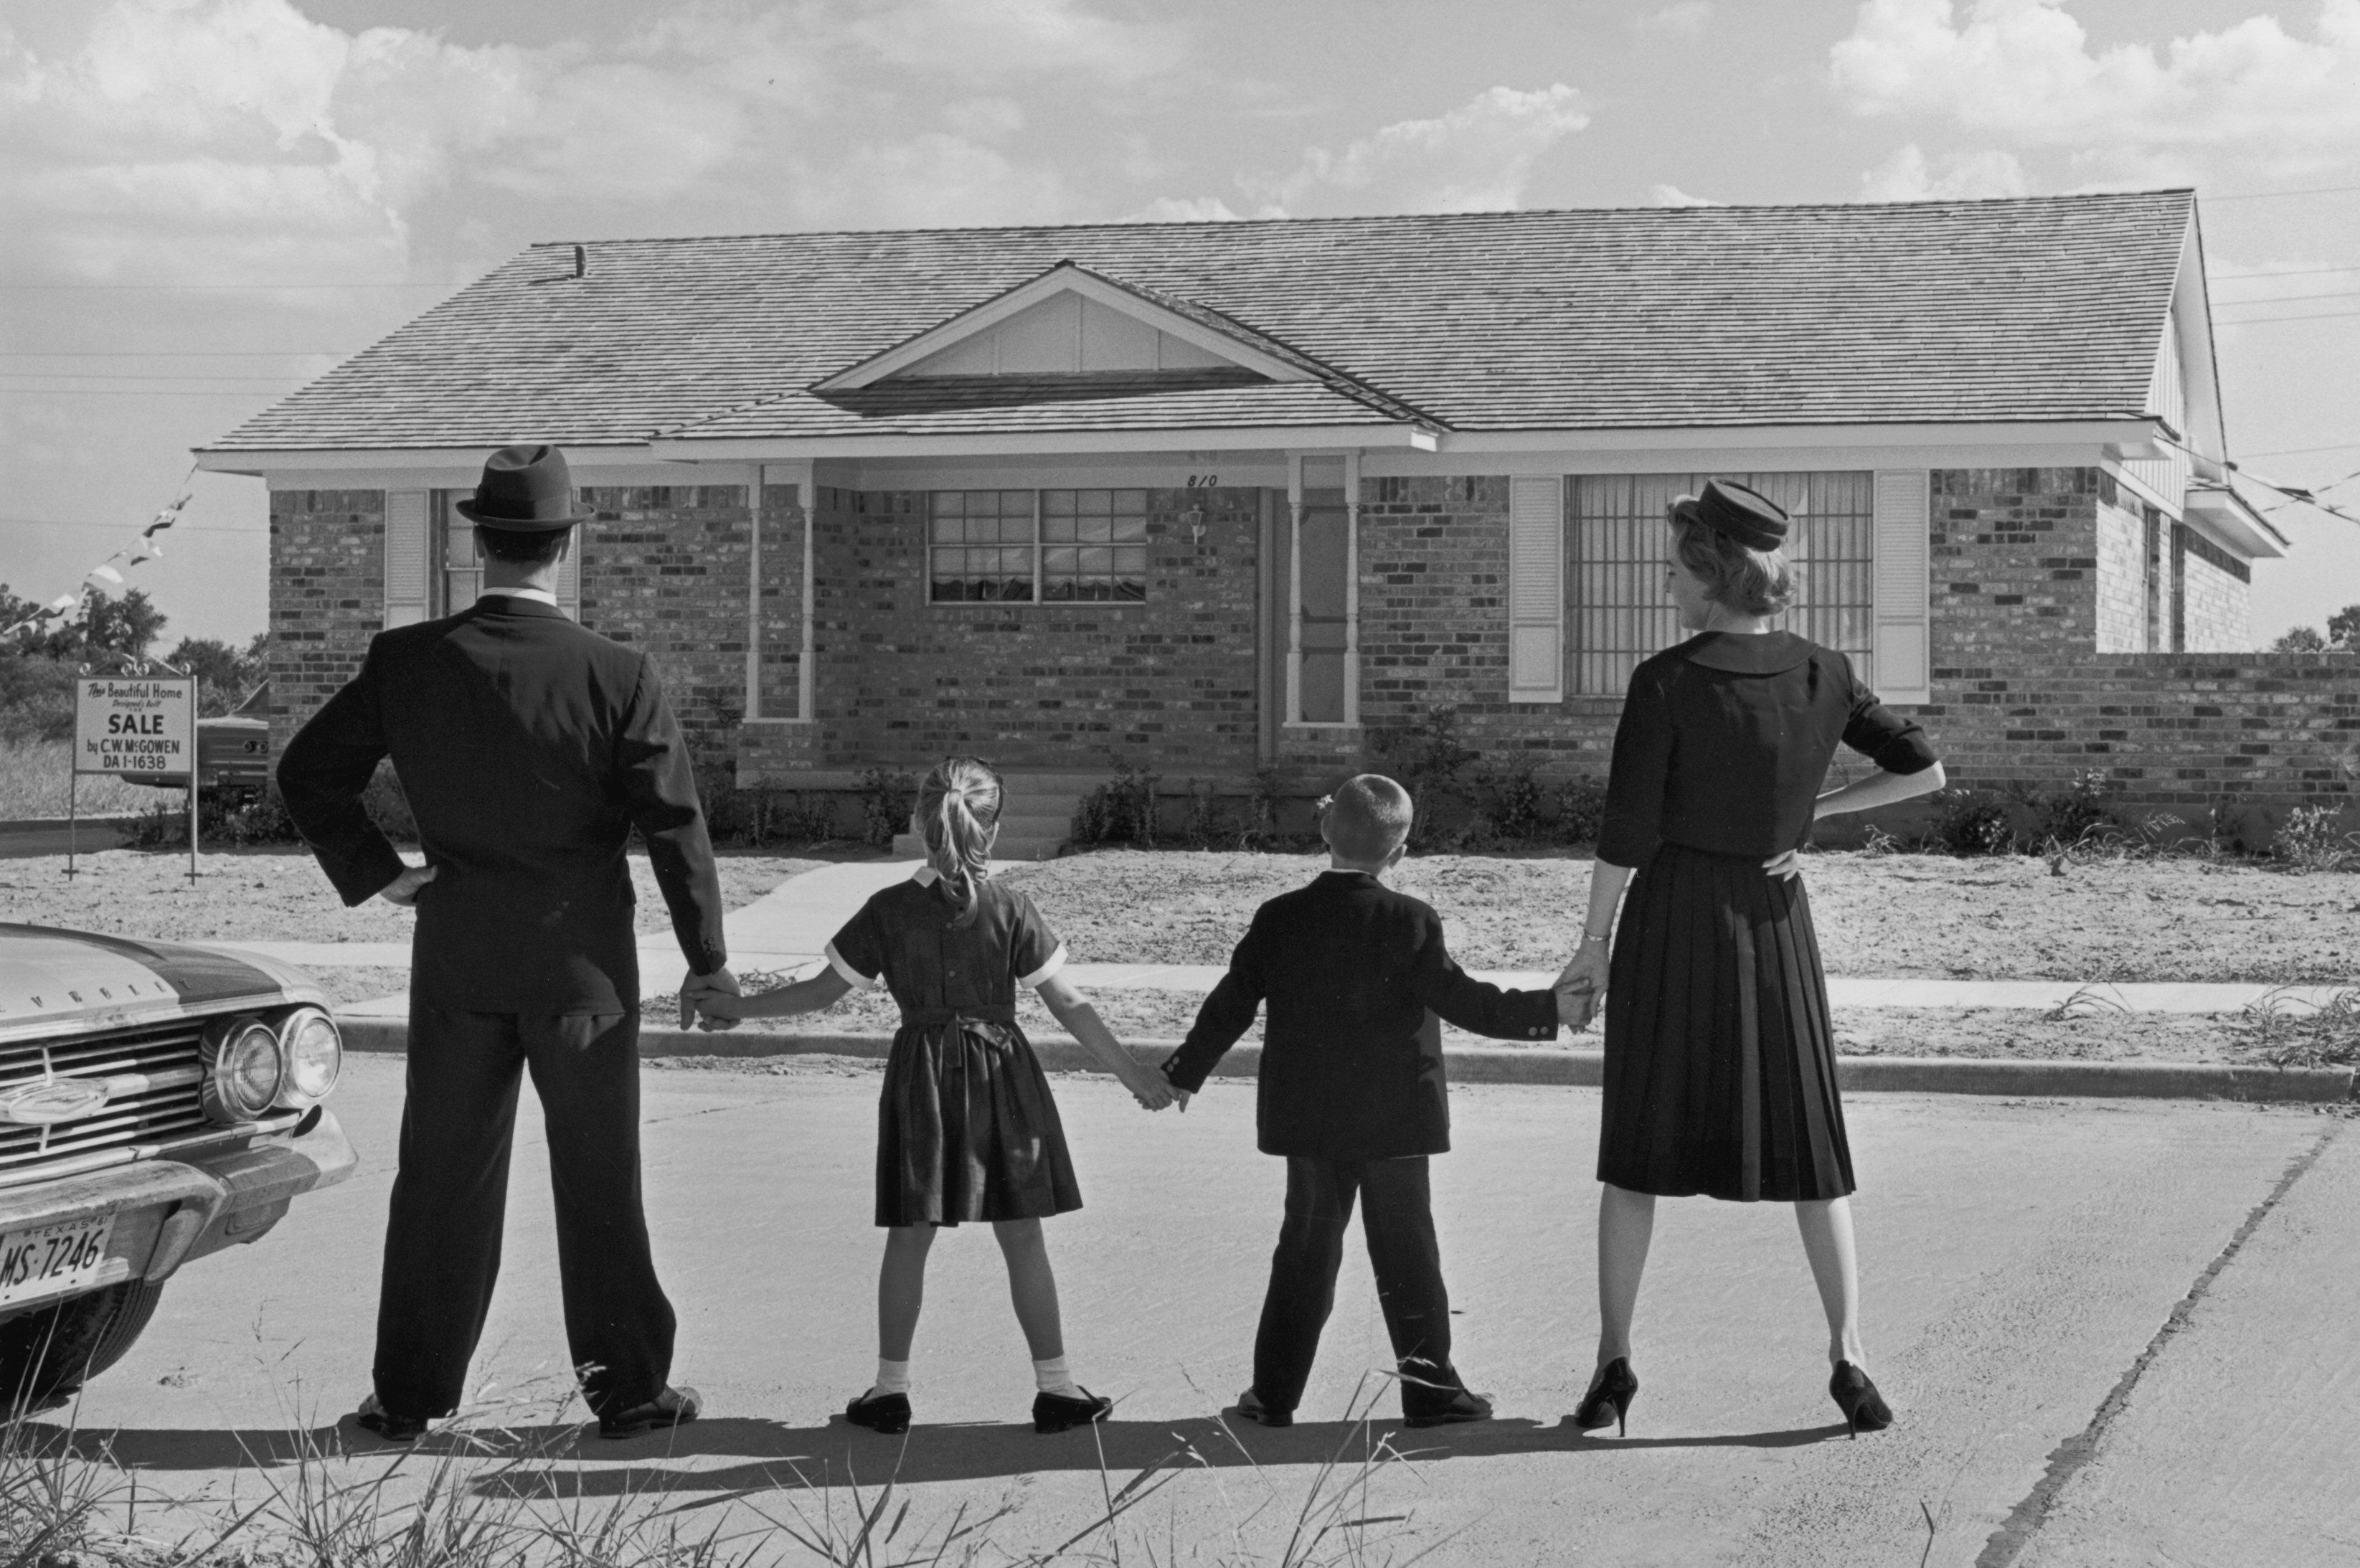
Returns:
<point x="271" y="894"/>
<point x="1913" y="915"/>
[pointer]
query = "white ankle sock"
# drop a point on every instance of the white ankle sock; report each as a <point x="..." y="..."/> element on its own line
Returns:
<point x="1052" y="1376"/>
<point x="892" y="1377"/>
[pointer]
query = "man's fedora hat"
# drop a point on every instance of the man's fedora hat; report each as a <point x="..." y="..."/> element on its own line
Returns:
<point x="1750" y="518"/>
<point x="526" y="490"/>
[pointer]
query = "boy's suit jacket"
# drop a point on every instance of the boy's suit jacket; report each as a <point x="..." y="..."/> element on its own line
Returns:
<point x="528" y="748"/>
<point x="1349" y="1071"/>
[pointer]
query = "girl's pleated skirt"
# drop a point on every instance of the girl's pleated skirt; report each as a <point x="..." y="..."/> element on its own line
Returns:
<point x="966" y="1128"/>
<point x="1720" y="1062"/>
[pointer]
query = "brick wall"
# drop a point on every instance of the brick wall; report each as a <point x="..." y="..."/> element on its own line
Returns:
<point x="2015" y="565"/>
<point x="2121" y="577"/>
<point x="2217" y="590"/>
<point x="1168" y="683"/>
<point x="2176" y="730"/>
<point x="327" y="596"/>
<point x="664" y="570"/>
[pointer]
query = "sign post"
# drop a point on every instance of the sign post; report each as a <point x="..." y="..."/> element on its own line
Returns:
<point x="134" y="726"/>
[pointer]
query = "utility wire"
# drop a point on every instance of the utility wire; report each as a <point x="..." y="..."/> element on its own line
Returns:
<point x="179" y="528"/>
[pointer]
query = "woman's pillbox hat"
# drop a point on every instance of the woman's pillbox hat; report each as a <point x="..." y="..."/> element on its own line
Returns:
<point x="1747" y="515"/>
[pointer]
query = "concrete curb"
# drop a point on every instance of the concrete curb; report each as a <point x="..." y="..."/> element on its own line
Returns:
<point x="1584" y="1067"/>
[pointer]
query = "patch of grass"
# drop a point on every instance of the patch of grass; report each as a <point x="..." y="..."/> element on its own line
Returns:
<point x="2287" y="1032"/>
<point x="33" y="775"/>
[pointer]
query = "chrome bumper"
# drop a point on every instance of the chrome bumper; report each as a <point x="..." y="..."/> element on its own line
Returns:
<point x="200" y="1196"/>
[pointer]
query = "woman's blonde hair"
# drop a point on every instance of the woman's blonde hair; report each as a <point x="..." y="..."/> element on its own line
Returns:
<point x="1751" y="582"/>
<point x="958" y="807"/>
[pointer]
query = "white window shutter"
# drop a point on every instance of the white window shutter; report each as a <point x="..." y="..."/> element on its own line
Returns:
<point x="1901" y="666"/>
<point x="569" y="574"/>
<point x="406" y="557"/>
<point x="1536" y="590"/>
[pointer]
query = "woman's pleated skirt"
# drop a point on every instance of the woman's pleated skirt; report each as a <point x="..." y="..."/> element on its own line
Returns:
<point x="1720" y="1062"/>
<point x="966" y="1128"/>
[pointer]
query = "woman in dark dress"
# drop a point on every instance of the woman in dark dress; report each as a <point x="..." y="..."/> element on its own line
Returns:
<point x="1719" y="1066"/>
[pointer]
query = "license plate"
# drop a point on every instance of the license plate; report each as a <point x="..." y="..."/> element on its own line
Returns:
<point x="52" y="1258"/>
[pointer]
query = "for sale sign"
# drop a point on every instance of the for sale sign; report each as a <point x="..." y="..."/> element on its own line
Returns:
<point x="135" y="727"/>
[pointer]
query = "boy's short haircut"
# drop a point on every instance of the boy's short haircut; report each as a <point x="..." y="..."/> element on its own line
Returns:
<point x="1367" y="819"/>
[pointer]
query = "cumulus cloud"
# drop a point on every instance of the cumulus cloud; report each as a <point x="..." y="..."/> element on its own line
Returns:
<point x="1907" y="177"/>
<point x="1474" y="159"/>
<point x="1686" y="20"/>
<point x="2023" y="73"/>
<point x="1672" y="196"/>
<point x="1188" y="209"/>
<point x="237" y="136"/>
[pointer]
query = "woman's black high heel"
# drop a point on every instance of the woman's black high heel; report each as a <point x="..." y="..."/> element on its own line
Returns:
<point x="1864" y="1408"/>
<point x="1610" y="1396"/>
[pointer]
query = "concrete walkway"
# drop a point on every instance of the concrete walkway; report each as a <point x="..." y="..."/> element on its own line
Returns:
<point x="788" y="929"/>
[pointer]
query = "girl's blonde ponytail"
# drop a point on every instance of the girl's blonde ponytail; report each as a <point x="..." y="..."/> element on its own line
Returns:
<point x="958" y="806"/>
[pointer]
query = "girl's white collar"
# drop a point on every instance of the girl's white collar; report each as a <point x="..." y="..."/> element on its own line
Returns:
<point x="925" y="877"/>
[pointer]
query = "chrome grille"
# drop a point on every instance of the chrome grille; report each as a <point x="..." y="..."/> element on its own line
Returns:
<point x="161" y="1109"/>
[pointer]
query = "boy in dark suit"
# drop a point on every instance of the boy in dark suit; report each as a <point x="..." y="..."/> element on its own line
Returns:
<point x="1352" y="1096"/>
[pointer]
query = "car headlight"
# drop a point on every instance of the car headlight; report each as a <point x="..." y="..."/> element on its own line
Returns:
<point x="314" y="1053"/>
<point x="243" y="1069"/>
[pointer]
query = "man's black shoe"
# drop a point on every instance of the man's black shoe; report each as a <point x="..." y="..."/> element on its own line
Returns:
<point x="1056" y="1413"/>
<point x="673" y="1407"/>
<point x="374" y="1416"/>
<point x="1250" y="1407"/>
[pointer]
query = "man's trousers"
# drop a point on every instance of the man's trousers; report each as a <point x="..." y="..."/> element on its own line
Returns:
<point x="443" y="1238"/>
<point x="1397" y="1216"/>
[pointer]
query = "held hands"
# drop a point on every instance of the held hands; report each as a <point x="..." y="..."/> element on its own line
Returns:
<point x="711" y="1002"/>
<point x="1581" y="987"/>
<point x="1153" y="1091"/>
<point x="403" y="889"/>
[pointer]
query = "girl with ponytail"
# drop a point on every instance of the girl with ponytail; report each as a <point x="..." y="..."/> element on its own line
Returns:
<point x="966" y="1129"/>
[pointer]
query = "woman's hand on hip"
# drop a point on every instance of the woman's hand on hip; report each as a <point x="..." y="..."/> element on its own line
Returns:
<point x="1780" y="868"/>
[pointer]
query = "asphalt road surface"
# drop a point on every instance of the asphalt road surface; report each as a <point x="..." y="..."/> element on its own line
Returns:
<point x="2115" y="1333"/>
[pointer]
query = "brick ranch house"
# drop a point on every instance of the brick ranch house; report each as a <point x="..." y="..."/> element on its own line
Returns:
<point x="1216" y="498"/>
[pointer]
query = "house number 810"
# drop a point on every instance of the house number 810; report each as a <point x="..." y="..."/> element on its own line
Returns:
<point x="1203" y="482"/>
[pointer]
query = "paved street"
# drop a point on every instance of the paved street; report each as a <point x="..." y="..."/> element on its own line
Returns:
<point x="2020" y="1260"/>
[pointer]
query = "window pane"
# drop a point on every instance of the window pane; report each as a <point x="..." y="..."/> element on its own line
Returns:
<point x="1058" y="503"/>
<point x="1131" y="504"/>
<point x="1097" y="502"/>
<point x="1094" y="531"/>
<point x="1131" y="528"/>
<point x="1130" y="561"/>
<point x="949" y="504"/>
<point x="1058" y="529"/>
<point x="1060" y="560"/>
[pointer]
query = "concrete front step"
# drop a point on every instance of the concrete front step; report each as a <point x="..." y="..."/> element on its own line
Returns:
<point x="1036" y="815"/>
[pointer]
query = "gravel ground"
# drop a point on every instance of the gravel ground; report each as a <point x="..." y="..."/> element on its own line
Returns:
<point x="2092" y="1035"/>
<point x="1910" y="915"/>
<point x="270" y="895"/>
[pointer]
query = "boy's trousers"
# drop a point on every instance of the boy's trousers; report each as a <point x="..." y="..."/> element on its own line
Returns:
<point x="1396" y="1216"/>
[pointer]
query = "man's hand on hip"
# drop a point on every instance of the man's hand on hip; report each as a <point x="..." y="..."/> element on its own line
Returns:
<point x="719" y="980"/>
<point x="403" y="889"/>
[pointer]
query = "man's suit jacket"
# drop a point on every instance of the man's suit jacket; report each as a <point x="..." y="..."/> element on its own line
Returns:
<point x="1349" y="1068"/>
<point x="529" y="748"/>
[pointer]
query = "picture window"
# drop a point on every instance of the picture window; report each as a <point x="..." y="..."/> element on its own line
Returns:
<point x="1037" y="545"/>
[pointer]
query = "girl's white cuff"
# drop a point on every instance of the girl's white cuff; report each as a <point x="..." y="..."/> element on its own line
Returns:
<point x="852" y="978"/>
<point x="1056" y="961"/>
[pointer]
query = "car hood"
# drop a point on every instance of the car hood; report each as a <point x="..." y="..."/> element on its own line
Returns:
<point x="50" y="977"/>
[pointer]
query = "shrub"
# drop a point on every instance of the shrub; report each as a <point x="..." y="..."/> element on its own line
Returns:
<point x="1122" y="810"/>
<point x="1426" y="759"/>
<point x="2308" y="840"/>
<point x="37" y="698"/>
<point x="888" y="795"/>
<point x="1508" y="800"/>
<point x="2079" y="809"/>
<point x="1970" y="822"/>
<point x="1261" y="809"/>
<point x="223" y="822"/>
<point x="1580" y="811"/>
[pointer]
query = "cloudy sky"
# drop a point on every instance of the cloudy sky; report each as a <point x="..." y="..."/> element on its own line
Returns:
<point x="212" y="201"/>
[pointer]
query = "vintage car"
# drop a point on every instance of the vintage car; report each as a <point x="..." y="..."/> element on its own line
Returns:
<point x="233" y="752"/>
<point x="158" y="1103"/>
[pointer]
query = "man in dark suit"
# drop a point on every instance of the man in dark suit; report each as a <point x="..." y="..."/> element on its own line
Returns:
<point x="1351" y="1095"/>
<point x="529" y="748"/>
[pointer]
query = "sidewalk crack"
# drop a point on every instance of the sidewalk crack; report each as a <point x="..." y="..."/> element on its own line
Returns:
<point x="2024" y="1520"/>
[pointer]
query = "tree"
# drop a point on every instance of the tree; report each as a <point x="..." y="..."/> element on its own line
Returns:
<point x="129" y="625"/>
<point x="2300" y="639"/>
<point x="2343" y="630"/>
<point x="224" y="674"/>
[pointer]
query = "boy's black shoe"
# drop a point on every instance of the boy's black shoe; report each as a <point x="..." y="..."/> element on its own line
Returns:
<point x="1055" y="1412"/>
<point x="672" y="1407"/>
<point x="1461" y="1407"/>
<point x="374" y="1416"/>
<point x="887" y="1413"/>
<point x="1250" y="1407"/>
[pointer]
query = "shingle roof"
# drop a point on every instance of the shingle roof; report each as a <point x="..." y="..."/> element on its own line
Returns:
<point x="2038" y="309"/>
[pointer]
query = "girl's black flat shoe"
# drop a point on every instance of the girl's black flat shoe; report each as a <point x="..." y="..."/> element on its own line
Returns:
<point x="1057" y="1413"/>
<point x="1610" y="1396"/>
<point x="1864" y="1408"/>
<point x="887" y="1413"/>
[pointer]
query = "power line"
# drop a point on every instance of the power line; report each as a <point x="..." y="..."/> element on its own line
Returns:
<point x="101" y="375"/>
<point x="109" y="392"/>
<point x="2273" y="195"/>
<point x="2266" y="320"/>
<point x="2291" y="298"/>
<point x="178" y="529"/>
<point x="268" y="286"/>
<point x="2305" y="450"/>
<point x="2284" y="272"/>
<point x="175" y="354"/>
